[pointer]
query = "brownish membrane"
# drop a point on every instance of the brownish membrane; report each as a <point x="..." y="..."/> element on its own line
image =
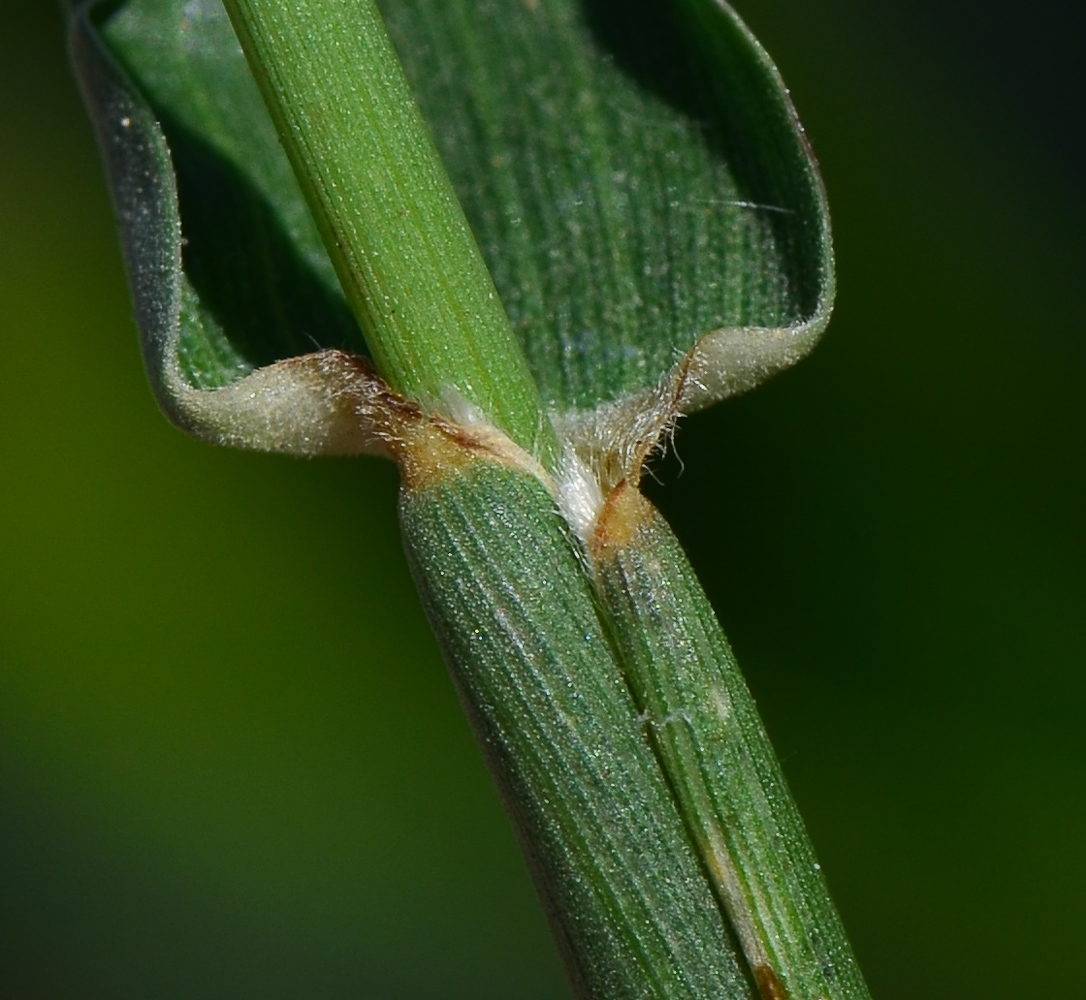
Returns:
<point x="430" y="450"/>
<point x="769" y="985"/>
<point x="625" y="514"/>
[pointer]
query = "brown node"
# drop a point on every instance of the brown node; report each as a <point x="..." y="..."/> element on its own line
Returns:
<point x="431" y="449"/>
<point x="427" y="455"/>
<point x="769" y="985"/>
<point x="626" y="513"/>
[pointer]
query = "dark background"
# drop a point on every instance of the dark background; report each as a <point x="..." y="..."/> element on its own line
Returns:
<point x="231" y="764"/>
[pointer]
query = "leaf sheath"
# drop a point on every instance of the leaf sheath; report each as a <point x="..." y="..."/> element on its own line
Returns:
<point x="514" y="611"/>
<point x="718" y="760"/>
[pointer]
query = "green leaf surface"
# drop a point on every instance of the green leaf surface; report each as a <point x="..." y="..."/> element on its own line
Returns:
<point x="257" y="283"/>
<point x="224" y="297"/>
<point x="634" y="173"/>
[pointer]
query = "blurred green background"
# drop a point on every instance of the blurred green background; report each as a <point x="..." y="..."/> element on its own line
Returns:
<point x="231" y="764"/>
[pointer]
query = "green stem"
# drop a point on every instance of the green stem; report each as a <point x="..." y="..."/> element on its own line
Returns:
<point x="391" y="221"/>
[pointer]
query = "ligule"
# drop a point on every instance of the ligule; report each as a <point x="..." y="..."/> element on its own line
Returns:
<point x="514" y="610"/>
<point x="703" y="725"/>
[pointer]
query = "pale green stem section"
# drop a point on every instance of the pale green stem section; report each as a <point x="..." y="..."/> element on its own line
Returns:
<point x="508" y="598"/>
<point x="722" y="770"/>
<point x="386" y="208"/>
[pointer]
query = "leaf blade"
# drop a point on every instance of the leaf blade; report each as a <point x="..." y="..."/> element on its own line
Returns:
<point x="640" y="206"/>
<point x="622" y="195"/>
<point x="261" y="285"/>
<point x="210" y="379"/>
